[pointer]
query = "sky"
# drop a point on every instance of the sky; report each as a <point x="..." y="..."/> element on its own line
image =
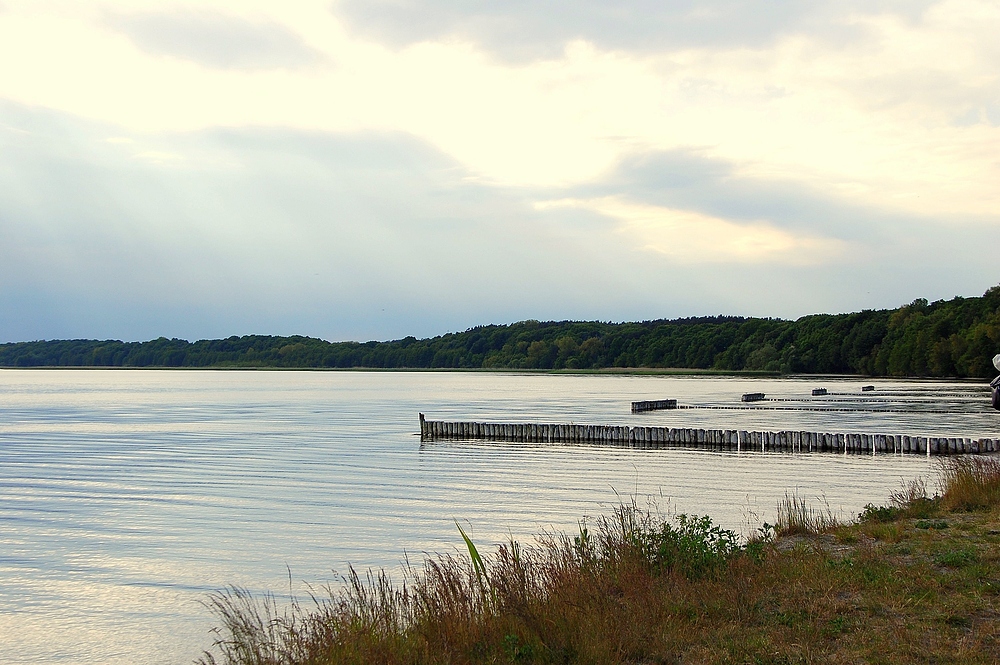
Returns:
<point x="358" y="170"/>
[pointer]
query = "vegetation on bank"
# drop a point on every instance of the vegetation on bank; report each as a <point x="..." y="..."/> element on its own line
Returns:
<point x="914" y="581"/>
<point x="956" y="338"/>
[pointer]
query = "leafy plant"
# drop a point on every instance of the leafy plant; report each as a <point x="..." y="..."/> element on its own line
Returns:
<point x="958" y="558"/>
<point x="873" y="513"/>
<point x="695" y="546"/>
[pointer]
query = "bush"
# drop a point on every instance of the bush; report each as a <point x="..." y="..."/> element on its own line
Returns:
<point x="695" y="547"/>
<point x="873" y="513"/>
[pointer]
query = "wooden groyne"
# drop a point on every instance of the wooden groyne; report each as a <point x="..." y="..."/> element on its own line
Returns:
<point x="653" y="405"/>
<point x="709" y="439"/>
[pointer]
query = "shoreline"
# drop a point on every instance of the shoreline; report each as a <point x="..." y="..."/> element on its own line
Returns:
<point x="911" y="581"/>
<point x="611" y="371"/>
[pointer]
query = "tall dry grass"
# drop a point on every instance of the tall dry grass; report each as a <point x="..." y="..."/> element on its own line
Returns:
<point x="586" y="597"/>
<point x="965" y="483"/>
<point x="970" y="483"/>
<point x="911" y="492"/>
<point x="796" y="516"/>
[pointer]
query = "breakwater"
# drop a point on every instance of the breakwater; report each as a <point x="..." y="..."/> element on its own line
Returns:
<point x="653" y="405"/>
<point x="709" y="439"/>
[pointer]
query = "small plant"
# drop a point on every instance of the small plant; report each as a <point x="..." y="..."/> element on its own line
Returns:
<point x="959" y="558"/>
<point x="923" y="507"/>
<point x="796" y="517"/>
<point x="757" y="544"/>
<point x="477" y="561"/>
<point x="873" y="513"/>
<point x="931" y="524"/>
<point x="890" y="532"/>
<point x="692" y="545"/>
<point x="583" y="544"/>
<point x="846" y="535"/>
<point x="911" y="500"/>
<point x="765" y="533"/>
<point x="518" y="651"/>
<point x="836" y="626"/>
<point x="912" y="491"/>
<point x="695" y="546"/>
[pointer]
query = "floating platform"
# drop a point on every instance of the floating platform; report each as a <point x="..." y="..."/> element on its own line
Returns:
<point x="752" y="397"/>
<point x="709" y="439"/>
<point x="819" y="391"/>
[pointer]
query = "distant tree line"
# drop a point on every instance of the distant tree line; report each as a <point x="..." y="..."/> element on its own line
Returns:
<point x="954" y="338"/>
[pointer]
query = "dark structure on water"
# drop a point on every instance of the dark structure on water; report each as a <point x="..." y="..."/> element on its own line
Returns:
<point x="653" y="405"/>
<point x="709" y="439"/>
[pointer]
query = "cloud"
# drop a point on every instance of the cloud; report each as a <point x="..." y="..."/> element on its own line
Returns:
<point x="690" y="237"/>
<point x="693" y="180"/>
<point x="838" y="164"/>
<point x="883" y="121"/>
<point x="380" y="235"/>
<point x="267" y="230"/>
<point x="216" y="40"/>
<point x="525" y="30"/>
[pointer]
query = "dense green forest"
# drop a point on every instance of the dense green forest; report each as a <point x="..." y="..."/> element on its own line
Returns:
<point x="957" y="337"/>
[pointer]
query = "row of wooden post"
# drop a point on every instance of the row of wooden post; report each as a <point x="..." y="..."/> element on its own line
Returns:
<point x="715" y="439"/>
<point x="653" y="405"/>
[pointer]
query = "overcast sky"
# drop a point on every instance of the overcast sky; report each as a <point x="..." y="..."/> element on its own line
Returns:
<point x="374" y="169"/>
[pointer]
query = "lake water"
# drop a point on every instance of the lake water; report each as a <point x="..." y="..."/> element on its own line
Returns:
<point x="128" y="495"/>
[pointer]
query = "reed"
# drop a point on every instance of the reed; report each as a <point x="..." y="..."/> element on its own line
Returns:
<point x="970" y="483"/>
<point x="911" y="492"/>
<point x="796" y="517"/>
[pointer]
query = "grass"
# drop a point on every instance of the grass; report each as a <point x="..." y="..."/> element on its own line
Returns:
<point x="971" y="483"/>
<point x="795" y="516"/>
<point x="915" y="581"/>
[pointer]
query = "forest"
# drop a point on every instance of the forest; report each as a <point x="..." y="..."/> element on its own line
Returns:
<point x="945" y="338"/>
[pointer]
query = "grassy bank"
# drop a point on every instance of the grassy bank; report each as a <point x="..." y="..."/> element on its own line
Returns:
<point x="915" y="581"/>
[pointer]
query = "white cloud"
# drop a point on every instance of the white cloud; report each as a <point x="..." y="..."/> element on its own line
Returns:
<point x="216" y="40"/>
<point x="689" y="237"/>
<point x="871" y="120"/>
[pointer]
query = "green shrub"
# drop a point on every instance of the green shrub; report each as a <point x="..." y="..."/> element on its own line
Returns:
<point x="695" y="546"/>
<point x="873" y="513"/>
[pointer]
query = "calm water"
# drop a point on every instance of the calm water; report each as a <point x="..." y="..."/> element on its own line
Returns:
<point x="126" y="496"/>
